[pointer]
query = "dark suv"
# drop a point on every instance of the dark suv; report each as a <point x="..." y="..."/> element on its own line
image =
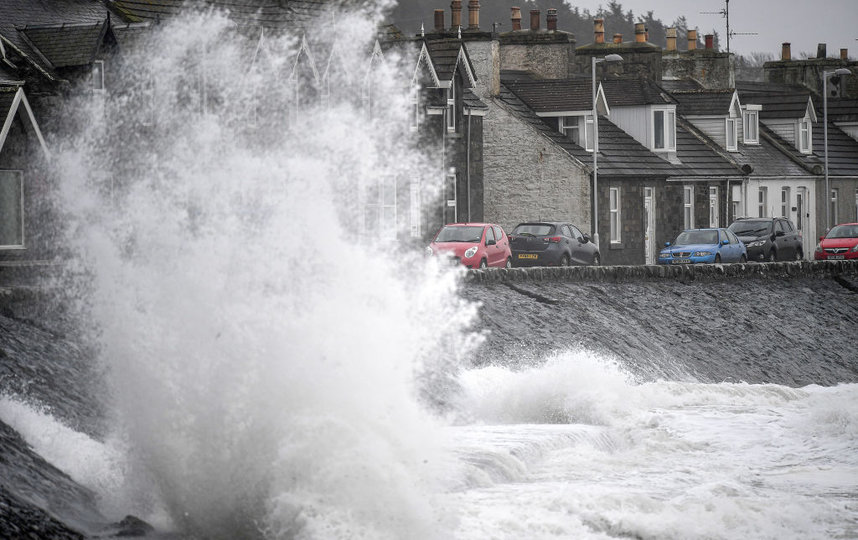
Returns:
<point x="769" y="239"/>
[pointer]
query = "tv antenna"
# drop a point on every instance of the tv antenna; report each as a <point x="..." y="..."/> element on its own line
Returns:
<point x="726" y="14"/>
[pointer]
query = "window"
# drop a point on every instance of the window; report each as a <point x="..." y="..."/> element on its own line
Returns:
<point x="614" y="206"/>
<point x="762" y="201"/>
<point x="490" y="235"/>
<point x="732" y="134"/>
<point x="570" y="126"/>
<point x="588" y="133"/>
<point x="804" y="136"/>
<point x="785" y="208"/>
<point x="835" y="219"/>
<point x="451" y="106"/>
<point x="415" y="209"/>
<point x="415" y="107"/>
<point x="663" y="130"/>
<point x="714" y="213"/>
<point x="98" y="75"/>
<point x="11" y="209"/>
<point x="688" y="207"/>
<point x="751" y="124"/>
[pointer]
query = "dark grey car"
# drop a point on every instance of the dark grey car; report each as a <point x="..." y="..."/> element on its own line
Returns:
<point x="769" y="239"/>
<point x="551" y="243"/>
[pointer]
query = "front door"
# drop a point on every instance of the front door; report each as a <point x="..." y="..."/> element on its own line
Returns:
<point x="649" y="217"/>
<point x="803" y="223"/>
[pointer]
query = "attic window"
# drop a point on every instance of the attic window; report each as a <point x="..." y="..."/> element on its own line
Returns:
<point x="664" y="130"/>
<point x="571" y="126"/>
<point x="98" y="75"/>
<point x="751" y="127"/>
<point x="732" y="134"/>
<point x="804" y="136"/>
<point x="451" y="107"/>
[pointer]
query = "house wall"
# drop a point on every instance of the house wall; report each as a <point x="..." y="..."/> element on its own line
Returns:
<point x="486" y="60"/>
<point x="636" y="121"/>
<point x="714" y="128"/>
<point x="549" y="55"/>
<point x="810" y="221"/>
<point x="711" y="68"/>
<point x="528" y="177"/>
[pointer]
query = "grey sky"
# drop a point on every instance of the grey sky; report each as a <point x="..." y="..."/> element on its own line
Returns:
<point x="803" y="23"/>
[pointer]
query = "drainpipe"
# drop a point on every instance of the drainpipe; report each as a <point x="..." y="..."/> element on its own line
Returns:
<point x="468" y="165"/>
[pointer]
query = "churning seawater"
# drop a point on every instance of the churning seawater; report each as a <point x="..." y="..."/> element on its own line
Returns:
<point x="271" y="372"/>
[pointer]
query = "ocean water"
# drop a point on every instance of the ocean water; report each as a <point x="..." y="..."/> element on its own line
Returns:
<point x="269" y="372"/>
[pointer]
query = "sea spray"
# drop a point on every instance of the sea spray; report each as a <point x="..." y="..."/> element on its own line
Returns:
<point x="265" y="358"/>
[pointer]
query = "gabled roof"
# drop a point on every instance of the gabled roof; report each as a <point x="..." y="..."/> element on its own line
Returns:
<point x="447" y="55"/>
<point x="552" y="97"/>
<point x="780" y="103"/>
<point x="631" y="92"/>
<point x="706" y="102"/>
<point x="13" y="102"/>
<point x="839" y="109"/>
<point x="842" y="150"/>
<point x="66" y="45"/>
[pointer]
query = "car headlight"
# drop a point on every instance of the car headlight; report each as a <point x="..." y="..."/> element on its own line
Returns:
<point x="471" y="252"/>
<point x="664" y="255"/>
<point x="819" y="248"/>
<point x="854" y="249"/>
<point x="757" y="243"/>
<point x="702" y="253"/>
<point x="429" y="251"/>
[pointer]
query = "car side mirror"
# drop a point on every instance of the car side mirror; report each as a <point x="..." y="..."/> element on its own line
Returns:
<point x="779" y="233"/>
<point x="490" y="242"/>
<point x="585" y="239"/>
<point x="725" y="242"/>
<point x="667" y="244"/>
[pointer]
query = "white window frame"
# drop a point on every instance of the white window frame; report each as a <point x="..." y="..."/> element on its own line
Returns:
<point x="785" y="202"/>
<point x="567" y="125"/>
<point x="20" y="232"/>
<point x="688" y="207"/>
<point x="805" y="141"/>
<point x="732" y="134"/>
<point x="588" y="133"/>
<point x="834" y="198"/>
<point x="751" y="126"/>
<point x="668" y="124"/>
<point x="451" y="107"/>
<point x="97" y="81"/>
<point x="856" y="205"/>
<point x="762" y="201"/>
<point x="615" y="209"/>
<point x="714" y="207"/>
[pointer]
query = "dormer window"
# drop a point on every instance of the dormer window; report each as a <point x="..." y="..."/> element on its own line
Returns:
<point x="571" y="127"/>
<point x="751" y="126"/>
<point x="451" y="107"/>
<point x="804" y="134"/>
<point x="664" y="130"/>
<point x="732" y="134"/>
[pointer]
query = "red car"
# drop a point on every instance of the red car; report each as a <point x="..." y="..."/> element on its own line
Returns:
<point x="475" y="245"/>
<point x="841" y="242"/>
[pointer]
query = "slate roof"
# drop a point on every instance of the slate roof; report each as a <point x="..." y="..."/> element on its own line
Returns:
<point x="767" y="160"/>
<point x="7" y="95"/>
<point x="472" y="102"/>
<point x="267" y="13"/>
<point x="672" y="85"/>
<point x="809" y="163"/>
<point x="552" y="95"/>
<point x="629" y="92"/>
<point x="445" y="54"/>
<point x="698" y="154"/>
<point x="66" y="45"/>
<point x="839" y="109"/>
<point x="703" y="102"/>
<point x="777" y="101"/>
<point x="842" y="150"/>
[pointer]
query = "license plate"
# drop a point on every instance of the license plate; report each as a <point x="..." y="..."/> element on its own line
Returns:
<point x="680" y="261"/>
<point x="528" y="256"/>
<point x="836" y="257"/>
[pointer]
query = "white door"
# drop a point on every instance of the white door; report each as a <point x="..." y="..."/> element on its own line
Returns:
<point x="804" y="223"/>
<point x="649" y="216"/>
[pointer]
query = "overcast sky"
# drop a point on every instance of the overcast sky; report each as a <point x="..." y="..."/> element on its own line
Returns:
<point x="803" y="23"/>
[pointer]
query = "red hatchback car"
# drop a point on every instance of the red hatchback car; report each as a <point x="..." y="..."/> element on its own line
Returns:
<point x="475" y="245"/>
<point x="841" y="242"/>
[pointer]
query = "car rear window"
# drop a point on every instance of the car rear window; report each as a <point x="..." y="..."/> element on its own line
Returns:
<point x="534" y="229"/>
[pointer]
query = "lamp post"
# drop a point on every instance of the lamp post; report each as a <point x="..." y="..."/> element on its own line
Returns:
<point x="607" y="58"/>
<point x="825" y="76"/>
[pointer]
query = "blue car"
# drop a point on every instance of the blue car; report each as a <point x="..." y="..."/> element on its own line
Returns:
<point x="704" y="246"/>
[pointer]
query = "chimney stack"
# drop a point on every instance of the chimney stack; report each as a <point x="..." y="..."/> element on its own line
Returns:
<point x="785" y="52"/>
<point x="598" y="30"/>
<point x="618" y="38"/>
<point x="710" y="41"/>
<point x="844" y="54"/>
<point x="821" y="51"/>
<point x="455" y="14"/>
<point x="534" y="20"/>
<point x="551" y="19"/>
<point x="640" y="32"/>
<point x="671" y="39"/>
<point x="474" y="15"/>
<point x="516" y="18"/>
<point x="692" y="40"/>
<point x="439" y="20"/>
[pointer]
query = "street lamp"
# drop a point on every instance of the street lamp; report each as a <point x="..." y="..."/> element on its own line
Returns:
<point x="607" y="58"/>
<point x="825" y="76"/>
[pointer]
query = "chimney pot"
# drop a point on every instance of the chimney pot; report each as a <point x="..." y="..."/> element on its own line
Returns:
<point x="474" y="15"/>
<point x="671" y="39"/>
<point x="821" y="51"/>
<point x="598" y="30"/>
<point x="618" y="38"/>
<point x="710" y="41"/>
<point x="785" y="52"/>
<point x="844" y="54"/>
<point x="640" y="33"/>
<point x="551" y="19"/>
<point x="692" y="40"/>
<point x="534" y="20"/>
<point x="455" y="14"/>
<point x="516" y="18"/>
<point x="439" y="20"/>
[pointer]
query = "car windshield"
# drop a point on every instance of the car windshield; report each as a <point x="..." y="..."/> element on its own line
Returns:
<point x="460" y="233"/>
<point x="843" y="231"/>
<point x="687" y="238"/>
<point x="533" y="229"/>
<point x="751" y="228"/>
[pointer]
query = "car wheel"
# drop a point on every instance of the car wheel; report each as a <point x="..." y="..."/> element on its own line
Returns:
<point x="799" y="255"/>
<point x="596" y="260"/>
<point x="717" y="258"/>
<point x="743" y="259"/>
<point x="564" y="261"/>
<point x="508" y="263"/>
<point x="773" y="256"/>
<point x="483" y="264"/>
